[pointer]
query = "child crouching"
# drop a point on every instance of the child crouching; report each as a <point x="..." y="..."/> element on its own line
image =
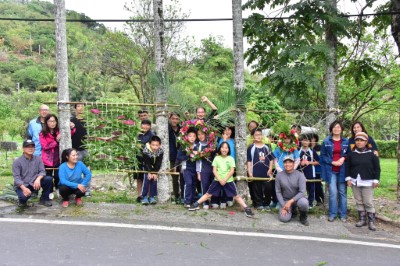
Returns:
<point x="223" y="169"/>
<point x="152" y="159"/>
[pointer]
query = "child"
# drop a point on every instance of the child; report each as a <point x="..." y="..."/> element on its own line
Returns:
<point x="362" y="175"/>
<point x="144" y="138"/>
<point x="260" y="161"/>
<point x="223" y="169"/>
<point x="152" y="159"/>
<point x="319" y="189"/>
<point x="284" y="150"/>
<point x="188" y="169"/>
<point x="204" y="167"/>
<point x="309" y="159"/>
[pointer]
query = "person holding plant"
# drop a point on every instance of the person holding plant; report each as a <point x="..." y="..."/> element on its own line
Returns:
<point x="363" y="175"/>
<point x="333" y="170"/>
<point x="74" y="177"/>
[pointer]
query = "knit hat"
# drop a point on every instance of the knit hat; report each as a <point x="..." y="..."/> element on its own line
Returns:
<point x="361" y="135"/>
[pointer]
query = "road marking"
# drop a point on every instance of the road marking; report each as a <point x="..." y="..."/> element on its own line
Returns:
<point x="201" y="231"/>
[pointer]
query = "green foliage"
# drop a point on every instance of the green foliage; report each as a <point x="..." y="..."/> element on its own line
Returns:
<point x="387" y="148"/>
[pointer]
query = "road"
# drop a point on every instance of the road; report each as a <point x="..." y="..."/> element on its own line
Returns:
<point x="27" y="241"/>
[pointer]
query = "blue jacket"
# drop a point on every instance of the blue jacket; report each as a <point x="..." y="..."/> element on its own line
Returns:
<point x="34" y="129"/>
<point x="73" y="177"/>
<point x="326" y="159"/>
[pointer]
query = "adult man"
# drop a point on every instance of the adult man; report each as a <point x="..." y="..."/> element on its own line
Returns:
<point x="144" y="115"/>
<point x="290" y="186"/>
<point x="35" y="127"/>
<point x="29" y="176"/>
<point x="173" y="134"/>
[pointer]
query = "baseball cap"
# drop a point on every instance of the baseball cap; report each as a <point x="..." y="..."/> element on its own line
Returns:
<point x="28" y="142"/>
<point x="288" y="157"/>
<point x="361" y="135"/>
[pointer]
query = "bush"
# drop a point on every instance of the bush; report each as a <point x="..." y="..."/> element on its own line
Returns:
<point x="387" y="148"/>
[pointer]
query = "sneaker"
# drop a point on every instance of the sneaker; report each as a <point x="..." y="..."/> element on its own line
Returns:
<point x="145" y="201"/>
<point x="194" y="206"/>
<point x="223" y="206"/>
<point x="139" y="199"/>
<point x="206" y="207"/>
<point x="186" y="205"/>
<point x="78" y="201"/>
<point x="214" y="206"/>
<point x="267" y="208"/>
<point x="46" y="203"/>
<point x="24" y="205"/>
<point x="152" y="200"/>
<point x="273" y="205"/>
<point x="51" y="195"/>
<point x="260" y="208"/>
<point x="331" y="219"/>
<point x="65" y="203"/>
<point x="229" y="203"/>
<point x="248" y="212"/>
<point x="343" y="220"/>
<point x="87" y="194"/>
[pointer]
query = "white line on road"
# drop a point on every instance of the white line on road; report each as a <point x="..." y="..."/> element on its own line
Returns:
<point x="201" y="231"/>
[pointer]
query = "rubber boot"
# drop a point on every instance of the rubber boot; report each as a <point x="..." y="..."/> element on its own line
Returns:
<point x="362" y="219"/>
<point x="371" y="221"/>
<point x="303" y="218"/>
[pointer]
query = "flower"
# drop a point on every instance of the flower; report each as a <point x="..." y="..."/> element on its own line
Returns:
<point x="128" y="122"/>
<point x="120" y="117"/>
<point x="95" y="111"/>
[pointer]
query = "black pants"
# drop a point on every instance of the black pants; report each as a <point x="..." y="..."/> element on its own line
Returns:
<point x="54" y="174"/>
<point x="319" y="190"/>
<point x="262" y="193"/>
<point x="65" y="191"/>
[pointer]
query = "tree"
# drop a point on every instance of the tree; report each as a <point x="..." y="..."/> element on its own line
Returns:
<point x="395" y="23"/>
<point x="62" y="75"/>
<point x="161" y="98"/>
<point x="240" y="129"/>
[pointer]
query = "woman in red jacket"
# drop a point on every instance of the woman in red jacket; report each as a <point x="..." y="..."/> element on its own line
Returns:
<point x="49" y="140"/>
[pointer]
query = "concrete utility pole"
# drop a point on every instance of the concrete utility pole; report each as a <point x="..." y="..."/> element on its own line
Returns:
<point x="62" y="75"/>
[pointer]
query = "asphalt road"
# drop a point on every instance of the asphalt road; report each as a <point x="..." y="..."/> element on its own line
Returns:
<point x="26" y="243"/>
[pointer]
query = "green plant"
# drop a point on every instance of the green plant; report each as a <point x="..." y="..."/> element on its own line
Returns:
<point x="387" y="148"/>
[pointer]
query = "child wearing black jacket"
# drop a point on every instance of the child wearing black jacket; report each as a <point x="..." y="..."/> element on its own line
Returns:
<point x="362" y="175"/>
<point x="152" y="159"/>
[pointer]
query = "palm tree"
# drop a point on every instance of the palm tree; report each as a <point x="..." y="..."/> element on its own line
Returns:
<point x="62" y="74"/>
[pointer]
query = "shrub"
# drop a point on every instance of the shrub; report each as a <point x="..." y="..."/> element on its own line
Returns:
<point x="387" y="148"/>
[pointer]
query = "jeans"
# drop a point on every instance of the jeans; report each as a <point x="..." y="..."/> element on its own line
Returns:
<point x="337" y="205"/>
<point x="47" y="186"/>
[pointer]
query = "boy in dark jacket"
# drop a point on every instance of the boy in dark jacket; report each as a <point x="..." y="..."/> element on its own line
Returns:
<point x="152" y="159"/>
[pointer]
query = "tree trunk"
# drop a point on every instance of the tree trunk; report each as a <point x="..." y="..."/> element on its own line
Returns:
<point x="240" y="129"/>
<point x="395" y="23"/>
<point x="62" y="75"/>
<point x="331" y="70"/>
<point x="161" y="97"/>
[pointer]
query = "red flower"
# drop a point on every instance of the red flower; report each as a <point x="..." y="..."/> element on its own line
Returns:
<point x="128" y="122"/>
<point x="121" y="117"/>
<point x="95" y="111"/>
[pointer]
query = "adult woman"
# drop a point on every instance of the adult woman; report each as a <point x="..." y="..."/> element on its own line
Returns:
<point x="332" y="159"/>
<point x="49" y="140"/>
<point x="71" y="180"/>
<point x="359" y="127"/>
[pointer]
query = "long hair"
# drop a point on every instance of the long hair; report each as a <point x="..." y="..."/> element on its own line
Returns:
<point x="65" y="154"/>
<point x="46" y="129"/>
<point x="362" y="127"/>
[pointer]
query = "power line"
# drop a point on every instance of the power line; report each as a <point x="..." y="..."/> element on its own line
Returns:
<point x="182" y="20"/>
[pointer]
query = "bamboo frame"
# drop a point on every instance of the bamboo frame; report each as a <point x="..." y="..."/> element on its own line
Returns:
<point x="116" y="104"/>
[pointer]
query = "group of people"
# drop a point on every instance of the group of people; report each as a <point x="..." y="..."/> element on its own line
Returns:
<point x="39" y="167"/>
<point x="291" y="165"/>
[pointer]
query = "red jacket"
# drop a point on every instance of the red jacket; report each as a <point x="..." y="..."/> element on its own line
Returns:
<point x="51" y="148"/>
